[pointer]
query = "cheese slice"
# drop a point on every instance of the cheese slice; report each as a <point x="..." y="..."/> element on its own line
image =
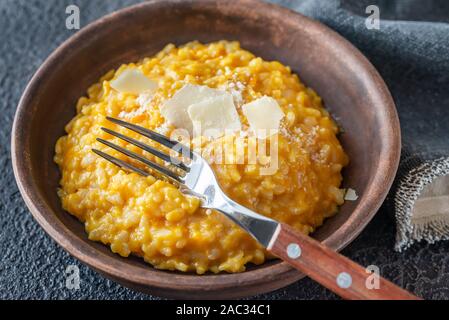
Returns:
<point x="214" y="116"/>
<point x="174" y="110"/>
<point x="264" y="116"/>
<point x="133" y="81"/>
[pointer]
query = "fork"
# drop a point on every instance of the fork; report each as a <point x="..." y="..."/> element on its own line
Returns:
<point x="195" y="177"/>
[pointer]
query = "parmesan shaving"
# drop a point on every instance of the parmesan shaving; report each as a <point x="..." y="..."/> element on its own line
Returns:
<point x="133" y="81"/>
<point x="174" y="110"/>
<point x="351" y="195"/>
<point x="264" y="116"/>
<point x="214" y="116"/>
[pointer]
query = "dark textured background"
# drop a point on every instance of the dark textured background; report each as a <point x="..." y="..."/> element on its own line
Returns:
<point x="412" y="57"/>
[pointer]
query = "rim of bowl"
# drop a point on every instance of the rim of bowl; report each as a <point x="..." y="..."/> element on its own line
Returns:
<point x="280" y="271"/>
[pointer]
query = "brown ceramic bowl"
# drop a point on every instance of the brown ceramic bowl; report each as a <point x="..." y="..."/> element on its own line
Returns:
<point x="350" y="86"/>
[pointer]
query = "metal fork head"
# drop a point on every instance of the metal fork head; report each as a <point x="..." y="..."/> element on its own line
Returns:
<point x="194" y="177"/>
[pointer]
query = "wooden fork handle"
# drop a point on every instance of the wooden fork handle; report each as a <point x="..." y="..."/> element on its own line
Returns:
<point x="332" y="270"/>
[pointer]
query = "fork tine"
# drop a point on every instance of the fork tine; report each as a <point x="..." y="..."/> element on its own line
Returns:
<point x="152" y="135"/>
<point x="160" y="169"/>
<point x="149" y="149"/>
<point x="120" y="163"/>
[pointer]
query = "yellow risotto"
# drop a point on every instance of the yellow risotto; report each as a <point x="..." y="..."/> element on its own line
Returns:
<point x="151" y="218"/>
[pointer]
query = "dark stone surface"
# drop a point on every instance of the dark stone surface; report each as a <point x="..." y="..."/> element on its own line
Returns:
<point x="412" y="57"/>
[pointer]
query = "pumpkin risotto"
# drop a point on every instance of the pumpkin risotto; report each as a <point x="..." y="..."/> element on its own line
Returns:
<point x="151" y="218"/>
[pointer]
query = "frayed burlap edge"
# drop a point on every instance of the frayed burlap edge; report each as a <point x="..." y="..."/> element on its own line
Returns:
<point x="409" y="189"/>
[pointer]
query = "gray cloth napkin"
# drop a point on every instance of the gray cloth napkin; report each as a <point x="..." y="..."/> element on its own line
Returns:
<point x="421" y="201"/>
<point x="413" y="58"/>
